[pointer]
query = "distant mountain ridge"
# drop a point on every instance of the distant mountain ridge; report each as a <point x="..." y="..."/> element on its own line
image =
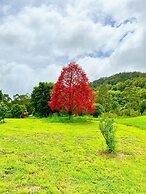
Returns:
<point x="119" y="77"/>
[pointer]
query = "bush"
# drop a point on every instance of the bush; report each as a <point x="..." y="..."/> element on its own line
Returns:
<point x="3" y="111"/>
<point x="98" y="110"/>
<point x="144" y="113"/>
<point x="134" y="113"/>
<point x="108" y="131"/>
<point x="62" y="113"/>
<point x="8" y="114"/>
<point x="109" y="115"/>
<point x="17" y="110"/>
<point x="125" y="112"/>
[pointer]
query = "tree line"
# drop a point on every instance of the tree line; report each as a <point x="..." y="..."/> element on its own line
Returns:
<point x="22" y="105"/>
<point x="122" y="94"/>
<point x="70" y="95"/>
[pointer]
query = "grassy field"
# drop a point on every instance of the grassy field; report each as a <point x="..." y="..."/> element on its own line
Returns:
<point x="139" y="122"/>
<point x="37" y="156"/>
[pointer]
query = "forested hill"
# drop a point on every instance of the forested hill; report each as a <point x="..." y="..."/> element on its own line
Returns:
<point x="123" y="94"/>
<point x="120" y="77"/>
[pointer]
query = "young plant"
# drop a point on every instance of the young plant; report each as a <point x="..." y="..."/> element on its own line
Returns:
<point x="108" y="131"/>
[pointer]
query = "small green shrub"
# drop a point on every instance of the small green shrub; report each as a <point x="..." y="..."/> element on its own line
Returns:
<point x="134" y="113"/>
<point x="62" y="113"/>
<point x="108" y="131"/>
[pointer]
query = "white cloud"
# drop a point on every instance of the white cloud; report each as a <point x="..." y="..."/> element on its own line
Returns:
<point x="38" y="37"/>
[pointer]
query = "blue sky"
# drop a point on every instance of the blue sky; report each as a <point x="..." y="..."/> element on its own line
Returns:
<point x="37" y="38"/>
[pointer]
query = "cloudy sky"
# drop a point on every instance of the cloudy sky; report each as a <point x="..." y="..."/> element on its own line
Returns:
<point x="38" y="37"/>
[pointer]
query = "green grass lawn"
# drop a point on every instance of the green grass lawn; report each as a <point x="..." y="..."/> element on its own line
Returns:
<point x="37" y="156"/>
<point x="139" y="122"/>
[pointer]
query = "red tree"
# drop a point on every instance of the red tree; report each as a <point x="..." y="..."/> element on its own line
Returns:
<point x="72" y="92"/>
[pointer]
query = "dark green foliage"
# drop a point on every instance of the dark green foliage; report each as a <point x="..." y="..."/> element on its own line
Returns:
<point x="104" y="98"/>
<point x="108" y="131"/>
<point x="120" y="77"/>
<point x="17" y="110"/>
<point x="3" y="111"/>
<point x="122" y="94"/>
<point x="21" y="99"/>
<point x="7" y="100"/>
<point x="62" y="113"/>
<point x="55" y="118"/>
<point x="29" y="107"/>
<point x="9" y="114"/>
<point x="143" y="106"/>
<point x="131" y="97"/>
<point x="24" y="100"/>
<point x="98" y="110"/>
<point x="1" y="95"/>
<point x="40" y="97"/>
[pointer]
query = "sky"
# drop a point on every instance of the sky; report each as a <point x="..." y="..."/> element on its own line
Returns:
<point x="38" y="38"/>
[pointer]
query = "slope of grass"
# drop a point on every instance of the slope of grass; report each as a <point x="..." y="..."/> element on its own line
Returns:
<point x="41" y="157"/>
<point x="139" y="122"/>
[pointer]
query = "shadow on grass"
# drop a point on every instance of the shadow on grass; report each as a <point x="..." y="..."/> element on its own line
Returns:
<point x="118" y="154"/>
<point x="66" y="119"/>
<point x="2" y="122"/>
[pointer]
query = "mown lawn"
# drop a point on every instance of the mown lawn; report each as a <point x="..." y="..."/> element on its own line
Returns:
<point x="41" y="157"/>
<point x="139" y="122"/>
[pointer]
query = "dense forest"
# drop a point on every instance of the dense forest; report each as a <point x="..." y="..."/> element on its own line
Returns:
<point x="120" y="77"/>
<point x="122" y="94"/>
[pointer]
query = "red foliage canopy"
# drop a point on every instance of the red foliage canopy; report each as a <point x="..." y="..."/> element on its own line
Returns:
<point x="72" y="92"/>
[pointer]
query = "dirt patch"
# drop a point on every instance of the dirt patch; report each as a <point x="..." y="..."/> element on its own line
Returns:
<point x="3" y="152"/>
<point x="123" y="155"/>
<point x="31" y="189"/>
<point x="105" y="154"/>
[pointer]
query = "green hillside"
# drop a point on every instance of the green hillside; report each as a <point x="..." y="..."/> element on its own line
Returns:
<point x="123" y="94"/>
<point x="120" y="77"/>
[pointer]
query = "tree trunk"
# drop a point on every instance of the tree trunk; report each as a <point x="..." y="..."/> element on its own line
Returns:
<point x="69" y="114"/>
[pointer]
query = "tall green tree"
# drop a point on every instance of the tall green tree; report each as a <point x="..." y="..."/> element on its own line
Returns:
<point x="104" y="98"/>
<point x="21" y="99"/>
<point x="3" y="111"/>
<point x="40" y="97"/>
<point x="24" y="100"/>
<point x="1" y="95"/>
<point x="7" y="100"/>
<point x="17" y="110"/>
